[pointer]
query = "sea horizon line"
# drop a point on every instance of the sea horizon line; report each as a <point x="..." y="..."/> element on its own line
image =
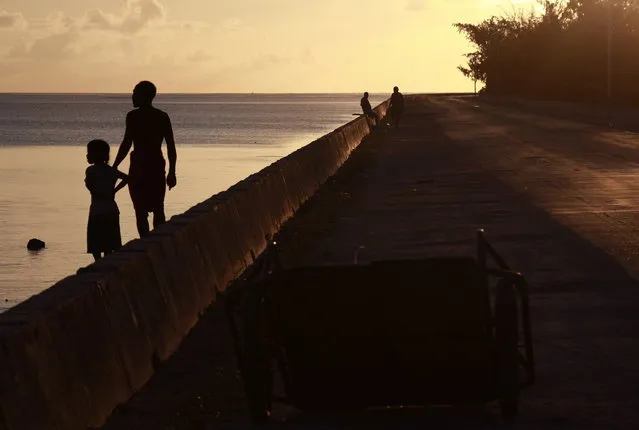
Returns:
<point x="227" y="93"/>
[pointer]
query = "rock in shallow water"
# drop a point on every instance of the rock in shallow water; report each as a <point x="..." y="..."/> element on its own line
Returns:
<point x="35" y="245"/>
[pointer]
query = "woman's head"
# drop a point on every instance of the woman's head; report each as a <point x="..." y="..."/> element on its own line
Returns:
<point x="143" y="94"/>
<point x="97" y="151"/>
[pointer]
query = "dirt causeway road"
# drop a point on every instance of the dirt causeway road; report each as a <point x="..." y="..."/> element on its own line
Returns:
<point x="559" y="199"/>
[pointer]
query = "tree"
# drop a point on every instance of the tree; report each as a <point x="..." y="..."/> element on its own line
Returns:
<point x="560" y="53"/>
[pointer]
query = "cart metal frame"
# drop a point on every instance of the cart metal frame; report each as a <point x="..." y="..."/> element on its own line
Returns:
<point x="258" y="346"/>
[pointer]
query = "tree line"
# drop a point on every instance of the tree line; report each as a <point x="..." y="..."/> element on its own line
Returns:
<point x="565" y="52"/>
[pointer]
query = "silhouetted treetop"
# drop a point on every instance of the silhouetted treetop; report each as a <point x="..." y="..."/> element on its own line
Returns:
<point x="560" y="52"/>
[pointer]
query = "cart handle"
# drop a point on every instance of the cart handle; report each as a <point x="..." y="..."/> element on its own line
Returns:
<point x="485" y="249"/>
<point x="263" y="266"/>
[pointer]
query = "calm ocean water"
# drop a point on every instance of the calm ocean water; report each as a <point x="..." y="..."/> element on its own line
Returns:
<point x="221" y="139"/>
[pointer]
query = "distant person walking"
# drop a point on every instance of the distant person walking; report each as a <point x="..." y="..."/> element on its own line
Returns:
<point x="146" y="128"/>
<point x="367" y="109"/>
<point x="396" y="107"/>
<point x="103" y="229"/>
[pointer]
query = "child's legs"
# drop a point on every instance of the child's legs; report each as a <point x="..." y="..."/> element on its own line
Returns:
<point x="104" y="234"/>
<point x="95" y="236"/>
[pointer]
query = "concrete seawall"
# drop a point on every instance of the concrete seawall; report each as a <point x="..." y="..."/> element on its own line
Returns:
<point x="71" y="354"/>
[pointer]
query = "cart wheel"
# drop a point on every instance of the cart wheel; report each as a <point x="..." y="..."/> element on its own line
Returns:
<point x="259" y="395"/>
<point x="258" y="380"/>
<point x="506" y="340"/>
<point x="509" y="406"/>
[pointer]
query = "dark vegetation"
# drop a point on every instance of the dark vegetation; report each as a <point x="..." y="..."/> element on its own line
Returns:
<point x="561" y="53"/>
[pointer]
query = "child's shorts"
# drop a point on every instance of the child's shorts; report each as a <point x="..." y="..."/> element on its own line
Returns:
<point x="103" y="233"/>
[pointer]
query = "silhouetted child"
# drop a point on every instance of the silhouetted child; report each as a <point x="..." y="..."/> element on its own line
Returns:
<point x="103" y="229"/>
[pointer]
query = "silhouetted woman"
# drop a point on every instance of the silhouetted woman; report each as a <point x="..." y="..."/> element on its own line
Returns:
<point x="146" y="129"/>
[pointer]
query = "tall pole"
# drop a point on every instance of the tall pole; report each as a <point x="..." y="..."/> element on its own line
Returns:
<point x="609" y="63"/>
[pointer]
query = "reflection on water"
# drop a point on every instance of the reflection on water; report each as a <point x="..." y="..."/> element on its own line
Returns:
<point x="43" y="195"/>
<point x="221" y="140"/>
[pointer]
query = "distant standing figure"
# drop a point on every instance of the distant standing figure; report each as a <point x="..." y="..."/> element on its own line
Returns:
<point x="396" y="106"/>
<point x="367" y="109"/>
<point x="146" y="128"/>
<point x="103" y="229"/>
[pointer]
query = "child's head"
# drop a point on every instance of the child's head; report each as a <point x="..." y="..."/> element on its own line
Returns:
<point x="97" y="151"/>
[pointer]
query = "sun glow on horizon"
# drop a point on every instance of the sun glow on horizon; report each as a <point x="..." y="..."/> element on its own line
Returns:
<point x="214" y="46"/>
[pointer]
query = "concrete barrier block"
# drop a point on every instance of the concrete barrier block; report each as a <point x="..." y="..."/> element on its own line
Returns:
<point x="228" y="222"/>
<point x="120" y="295"/>
<point x="64" y="365"/>
<point x="191" y="284"/>
<point x="218" y="236"/>
<point x="219" y="260"/>
<point x="250" y="211"/>
<point x="276" y="200"/>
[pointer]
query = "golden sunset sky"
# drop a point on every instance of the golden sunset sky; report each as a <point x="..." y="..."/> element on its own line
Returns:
<point x="237" y="45"/>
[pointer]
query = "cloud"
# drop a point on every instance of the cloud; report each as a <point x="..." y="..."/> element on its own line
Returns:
<point x="97" y="19"/>
<point x="11" y="20"/>
<point x="59" y="22"/>
<point x="416" y="5"/>
<point x="265" y="61"/>
<point x="269" y="60"/>
<point x="232" y="24"/>
<point x="140" y="13"/>
<point x="54" y="47"/>
<point x="54" y="38"/>
<point x="138" y="39"/>
<point x="60" y="37"/>
<point x="307" y="56"/>
<point x="190" y="26"/>
<point x="201" y="56"/>
<point x="136" y="15"/>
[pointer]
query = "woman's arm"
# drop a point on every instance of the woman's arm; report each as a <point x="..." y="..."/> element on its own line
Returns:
<point x="171" y="152"/>
<point x="126" y="144"/>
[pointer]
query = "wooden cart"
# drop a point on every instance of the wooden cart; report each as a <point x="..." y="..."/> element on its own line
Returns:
<point x="408" y="332"/>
